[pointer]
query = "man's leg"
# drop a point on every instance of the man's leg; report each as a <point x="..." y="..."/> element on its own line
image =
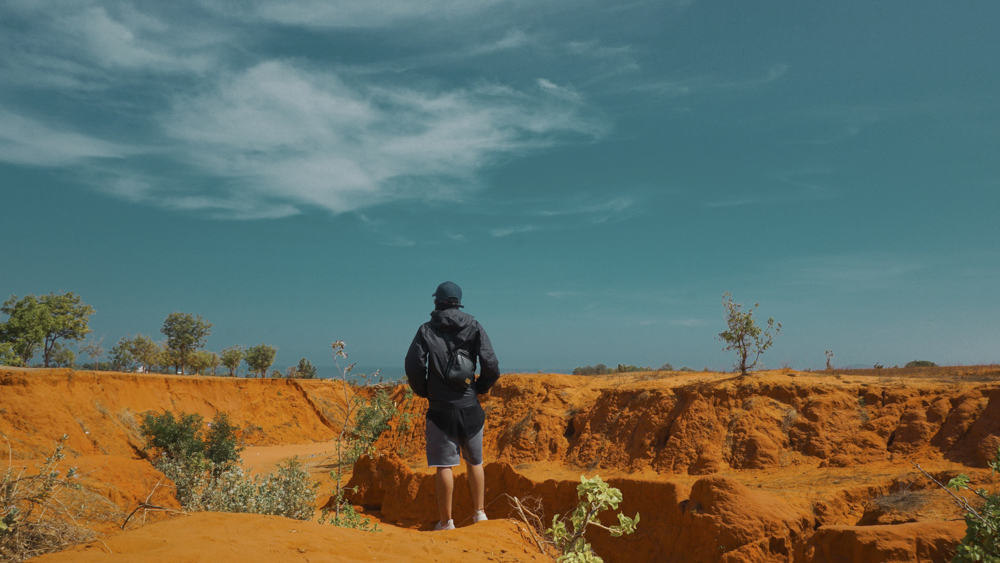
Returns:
<point x="477" y="485"/>
<point x="444" y="485"/>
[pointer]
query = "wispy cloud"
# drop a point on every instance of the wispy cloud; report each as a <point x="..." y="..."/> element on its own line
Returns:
<point x="600" y="212"/>
<point x="680" y="87"/>
<point x="863" y="271"/>
<point x="513" y="39"/>
<point x="27" y="141"/>
<point x="269" y="138"/>
<point x="501" y="232"/>
<point x="354" y="13"/>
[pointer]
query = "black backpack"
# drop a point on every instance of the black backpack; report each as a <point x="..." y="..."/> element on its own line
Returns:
<point x="460" y="371"/>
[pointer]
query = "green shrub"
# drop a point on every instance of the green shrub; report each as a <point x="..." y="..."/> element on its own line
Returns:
<point x="567" y="531"/>
<point x="207" y="475"/>
<point x="287" y="491"/>
<point x="221" y="444"/>
<point x="175" y="438"/>
<point x="921" y="364"/>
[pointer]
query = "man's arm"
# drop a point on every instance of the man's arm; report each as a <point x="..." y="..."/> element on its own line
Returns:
<point x="416" y="365"/>
<point x="489" y="367"/>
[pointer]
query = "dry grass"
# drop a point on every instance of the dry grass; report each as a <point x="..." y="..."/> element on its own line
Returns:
<point x="34" y="519"/>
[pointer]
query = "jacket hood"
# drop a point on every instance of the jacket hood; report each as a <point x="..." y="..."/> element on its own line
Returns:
<point x="450" y="320"/>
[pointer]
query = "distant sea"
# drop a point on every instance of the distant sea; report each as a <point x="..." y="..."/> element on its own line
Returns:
<point x="396" y="373"/>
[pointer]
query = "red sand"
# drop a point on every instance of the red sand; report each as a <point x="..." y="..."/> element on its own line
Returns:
<point x="779" y="466"/>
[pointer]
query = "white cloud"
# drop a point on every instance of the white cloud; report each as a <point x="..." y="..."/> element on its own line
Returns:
<point x="561" y="294"/>
<point x="82" y="44"/>
<point x="125" y="43"/>
<point x="603" y="210"/>
<point x="284" y="133"/>
<point x="564" y="92"/>
<point x="354" y="13"/>
<point x="27" y="141"/>
<point x="513" y="230"/>
<point x="513" y="39"/>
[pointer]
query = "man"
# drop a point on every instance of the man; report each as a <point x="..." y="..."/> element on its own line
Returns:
<point x="454" y="417"/>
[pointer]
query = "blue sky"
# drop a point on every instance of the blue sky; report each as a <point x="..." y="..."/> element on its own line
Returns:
<point x="594" y="174"/>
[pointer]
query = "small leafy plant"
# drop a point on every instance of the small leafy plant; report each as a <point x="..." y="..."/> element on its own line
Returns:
<point x="365" y="418"/>
<point x="982" y="536"/>
<point x="982" y="516"/>
<point x="567" y="531"/>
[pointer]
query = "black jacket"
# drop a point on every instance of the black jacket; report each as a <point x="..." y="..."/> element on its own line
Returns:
<point x="428" y="358"/>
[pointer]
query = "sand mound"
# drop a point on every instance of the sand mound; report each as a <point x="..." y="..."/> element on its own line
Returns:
<point x="210" y="536"/>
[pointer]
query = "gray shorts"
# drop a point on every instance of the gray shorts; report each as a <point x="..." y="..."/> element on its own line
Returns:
<point x="442" y="451"/>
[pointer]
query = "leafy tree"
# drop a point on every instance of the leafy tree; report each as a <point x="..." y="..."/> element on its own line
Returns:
<point x="305" y="369"/>
<point x="94" y="349"/>
<point x="200" y="361"/>
<point x="44" y="321"/>
<point x="62" y="356"/>
<point x="744" y="336"/>
<point x="667" y="367"/>
<point x="213" y="361"/>
<point x="121" y="355"/>
<point x="185" y="333"/>
<point x="24" y="329"/>
<point x="145" y="351"/>
<point x="921" y="364"/>
<point x="231" y="358"/>
<point x="8" y="357"/>
<point x="166" y="359"/>
<point x="829" y="360"/>
<point x="259" y="358"/>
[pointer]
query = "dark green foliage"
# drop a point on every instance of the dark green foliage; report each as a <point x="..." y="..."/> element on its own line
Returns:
<point x="259" y="358"/>
<point x="305" y="369"/>
<point x="601" y="369"/>
<point x="921" y="364"/>
<point x="185" y="333"/>
<point x="231" y="358"/>
<point x="8" y="357"/>
<point x="42" y="322"/>
<point x="174" y="438"/>
<point x="221" y="444"/>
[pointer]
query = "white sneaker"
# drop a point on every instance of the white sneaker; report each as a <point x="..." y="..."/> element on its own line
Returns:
<point x="479" y="516"/>
<point x="450" y="525"/>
